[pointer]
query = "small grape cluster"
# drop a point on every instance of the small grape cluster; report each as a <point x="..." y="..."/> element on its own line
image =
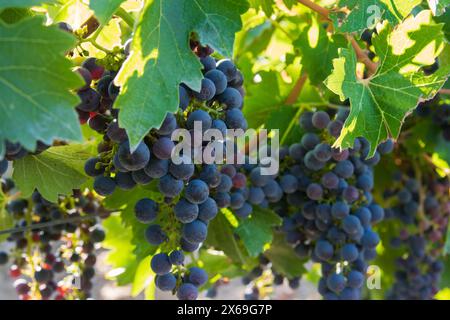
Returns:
<point x="423" y="207"/>
<point x="324" y="196"/>
<point x="53" y="254"/>
<point x="192" y="194"/>
<point x="438" y="112"/>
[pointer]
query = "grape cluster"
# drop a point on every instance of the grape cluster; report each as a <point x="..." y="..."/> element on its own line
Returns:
<point x="423" y="207"/>
<point x="54" y="246"/>
<point x="324" y="196"/>
<point x="192" y="194"/>
<point x="438" y="112"/>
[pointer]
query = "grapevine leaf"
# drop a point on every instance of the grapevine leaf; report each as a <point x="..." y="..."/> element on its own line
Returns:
<point x="35" y="80"/>
<point x="270" y="95"/>
<point x="56" y="171"/>
<point x="365" y="14"/>
<point x="253" y="41"/>
<point x="144" y="277"/>
<point x="445" y="275"/>
<point x="285" y="119"/>
<point x="23" y="3"/>
<point x="217" y="263"/>
<point x="284" y="259"/>
<point x="6" y="220"/>
<point x="104" y="9"/>
<point x="290" y="3"/>
<point x="380" y="103"/>
<point x="423" y="138"/>
<point x="257" y="231"/>
<point x="221" y="237"/>
<point x="161" y="58"/>
<point x="314" y="41"/>
<point x="265" y="5"/>
<point x="120" y="256"/>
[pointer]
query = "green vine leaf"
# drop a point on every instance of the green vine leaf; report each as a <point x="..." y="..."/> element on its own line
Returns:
<point x="35" y="79"/>
<point x="257" y="231"/>
<point x="56" y="171"/>
<point x="284" y="259"/>
<point x="314" y="42"/>
<point x="120" y="255"/>
<point x="221" y="237"/>
<point x="24" y="3"/>
<point x="104" y="9"/>
<point x="264" y="5"/>
<point x="161" y="58"/>
<point x="365" y="14"/>
<point x="379" y="104"/>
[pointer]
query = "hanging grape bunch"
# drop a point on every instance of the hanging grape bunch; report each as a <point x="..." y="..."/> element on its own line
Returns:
<point x="54" y="254"/>
<point x="324" y="196"/>
<point x="422" y="203"/>
<point x="191" y="195"/>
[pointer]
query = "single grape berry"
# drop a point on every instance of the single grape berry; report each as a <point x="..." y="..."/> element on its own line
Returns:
<point x="176" y="257"/>
<point x="160" y="264"/>
<point x="146" y="210"/>
<point x="207" y="90"/>
<point x="187" y="291"/>
<point x="195" y="232"/>
<point x="197" y="191"/>
<point x="136" y="160"/>
<point x="185" y="211"/>
<point x="155" y="235"/>
<point x="166" y="282"/>
<point x="104" y="186"/>
<point x="197" y="276"/>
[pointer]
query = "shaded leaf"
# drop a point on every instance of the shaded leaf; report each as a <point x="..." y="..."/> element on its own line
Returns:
<point x="56" y="171"/>
<point x="257" y="231"/>
<point x="283" y="258"/>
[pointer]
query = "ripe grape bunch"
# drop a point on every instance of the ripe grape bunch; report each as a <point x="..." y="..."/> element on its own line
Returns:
<point x="324" y="196"/>
<point x="422" y="204"/>
<point x="191" y="194"/>
<point x="54" y="246"/>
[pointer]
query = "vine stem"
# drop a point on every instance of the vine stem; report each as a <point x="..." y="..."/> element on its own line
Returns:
<point x="361" y="55"/>
<point x="125" y="16"/>
<point x="30" y="226"/>
<point x="445" y="91"/>
<point x="315" y="7"/>
<point x="297" y="89"/>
